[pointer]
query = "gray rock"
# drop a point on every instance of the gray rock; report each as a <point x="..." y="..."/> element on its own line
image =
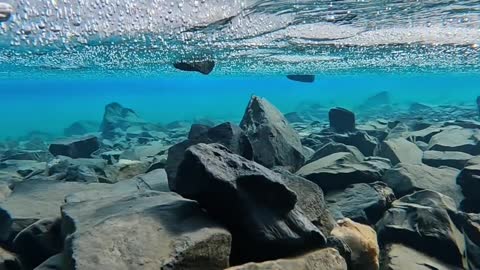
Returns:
<point x="21" y="168"/>
<point x="469" y="180"/>
<point x="401" y="257"/>
<point x="9" y="261"/>
<point x="274" y="141"/>
<point x="81" y="128"/>
<point x="76" y="147"/>
<point x="363" y="203"/>
<point x="457" y="139"/>
<point x="447" y="158"/>
<point x="422" y="220"/>
<point x="400" y="150"/>
<point x="334" y="147"/>
<point x="227" y="134"/>
<point x="53" y="263"/>
<point x="341" y="120"/>
<point x="342" y="169"/>
<point x="360" y="139"/>
<point x="146" y="230"/>
<point x="407" y="178"/>
<point x="203" y="67"/>
<point x="141" y="152"/>
<point x="243" y="195"/>
<point x="36" y="155"/>
<point x="39" y="241"/>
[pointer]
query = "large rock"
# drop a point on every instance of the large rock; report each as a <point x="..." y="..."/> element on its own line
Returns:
<point x="141" y="152"/>
<point x="274" y="141"/>
<point x="400" y="257"/>
<point x="341" y="120"/>
<point x="422" y="221"/>
<point x="362" y="241"/>
<point x="360" y="139"/>
<point x="227" y="134"/>
<point x="469" y="180"/>
<point x="334" y="147"/>
<point x="380" y="99"/>
<point x="76" y="147"/>
<point x="146" y="230"/>
<point x="81" y="128"/>
<point x="400" y="150"/>
<point x="9" y="261"/>
<point x="447" y="158"/>
<point x="363" y="203"/>
<point x="407" y="178"/>
<point x="342" y="169"/>
<point x="328" y="258"/>
<point x="457" y="139"/>
<point x="243" y="195"/>
<point x="53" y="263"/>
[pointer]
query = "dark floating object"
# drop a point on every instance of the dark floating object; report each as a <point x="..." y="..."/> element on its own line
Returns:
<point x="204" y="67"/>
<point x="302" y="78"/>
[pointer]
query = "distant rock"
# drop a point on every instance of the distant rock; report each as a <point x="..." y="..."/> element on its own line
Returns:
<point x="401" y="257"/>
<point x="274" y="141"/>
<point x="400" y="150"/>
<point x="328" y="258"/>
<point x="406" y="178"/>
<point x="232" y="190"/>
<point x="150" y="230"/>
<point x="417" y="107"/>
<point x="362" y="241"/>
<point x="302" y="78"/>
<point x="363" y="203"/>
<point x="204" y="67"/>
<point x="376" y="101"/>
<point x="82" y="147"/>
<point x="227" y="134"/>
<point x="422" y="221"/>
<point x="446" y="158"/>
<point x="341" y="120"/>
<point x="293" y="117"/>
<point x="339" y="170"/>
<point x="81" y="128"/>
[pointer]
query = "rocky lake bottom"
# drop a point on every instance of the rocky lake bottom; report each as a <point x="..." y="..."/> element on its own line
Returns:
<point x="378" y="187"/>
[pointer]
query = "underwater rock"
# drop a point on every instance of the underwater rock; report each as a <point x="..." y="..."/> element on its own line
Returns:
<point x="39" y="241"/>
<point x="140" y="152"/>
<point x="150" y="230"/>
<point x="378" y="103"/>
<point x="81" y="128"/>
<point x="75" y="147"/>
<point x="417" y="107"/>
<point x="302" y="78"/>
<point x="360" y="139"/>
<point x="423" y="135"/>
<point x="6" y="11"/>
<point x="377" y="128"/>
<point x="334" y="147"/>
<point x="457" y="139"/>
<point x="243" y="195"/>
<point x="126" y="169"/>
<point x="80" y="170"/>
<point x="33" y="200"/>
<point x="452" y="159"/>
<point x="9" y="261"/>
<point x="362" y="240"/>
<point x="197" y="130"/>
<point x="363" y="203"/>
<point x="400" y="150"/>
<point x="17" y="154"/>
<point x="227" y="134"/>
<point x="470" y="224"/>
<point x="408" y="178"/>
<point x="339" y="170"/>
<point x="274" y="141"/>
<point x="204" y="67"/>
<point x="422" y="221"/>
<point x="341" y="120"/>
<point x="327" y="258"/>
<point x="55" y="262"/>
<point x="18" y="169"/>
<point x="401" y="257"/>
<point x="293" y="117"/>
<point x="469" y="180"/>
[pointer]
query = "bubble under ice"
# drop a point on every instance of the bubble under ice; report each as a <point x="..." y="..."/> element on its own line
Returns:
<point x="6" y="11"/>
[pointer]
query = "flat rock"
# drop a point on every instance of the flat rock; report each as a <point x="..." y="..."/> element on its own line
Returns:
<point x="400" y="257"/>
<point x="341" y="120"/>
<point x="400" y="150"/>
<point x="457" y="139"/>
<point x="75" y="147"/>
<point x="342" y="169"/>
<point x="334" y="147"/>
<point x="422" y="220"/>
<point x="407" y="178"/>
<point x="232" y="189"/>
<point x="274" y="141"/>
<point x="328" y="258"/>
<point x="146" y="230"/>
<point x="363" y="203"/>
<point x="446" y="158"/>
<point x="36" y="155"/>
<point x="141" y="152"/>
<point x="360" y="139"/>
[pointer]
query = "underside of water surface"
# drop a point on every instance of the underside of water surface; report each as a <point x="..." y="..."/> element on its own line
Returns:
<point x="239" y="135"/>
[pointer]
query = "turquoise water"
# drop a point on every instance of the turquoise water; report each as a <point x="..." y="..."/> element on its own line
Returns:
<point x="52" y="105"/>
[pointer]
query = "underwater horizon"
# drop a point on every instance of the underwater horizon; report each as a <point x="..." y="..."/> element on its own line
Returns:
<point x="239" y="135"/>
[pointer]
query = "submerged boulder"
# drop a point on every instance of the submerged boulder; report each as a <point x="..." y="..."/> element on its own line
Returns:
<point x="341" y="120"/>
<point x="422" y="221"/>
<point x="360" y="139"/>
<point x="227" y="134"/>
<point x="76" y="147"/>
<point x="469" y="180"/>
<point x="334" y="147"/>
<point x="81" y="128"/>
<point x="274" y="141"/>
<point x="145" y="230"/>
<point x="457" y="139"/>
<point x="400" y="150"/>
<point x="243" y="195"/>
<point x="203" y="67"/>
<point x="339" y="170"/>
<point x="446" y="158"/>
